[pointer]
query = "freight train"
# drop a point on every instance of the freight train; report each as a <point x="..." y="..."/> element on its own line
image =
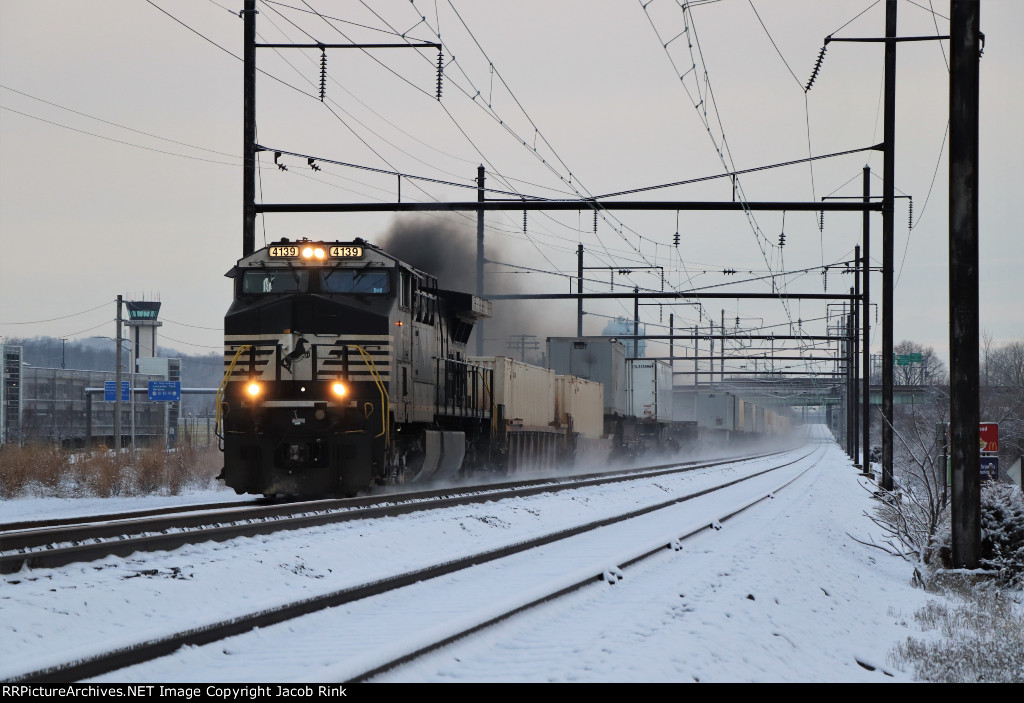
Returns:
<point x="347" y="368"/>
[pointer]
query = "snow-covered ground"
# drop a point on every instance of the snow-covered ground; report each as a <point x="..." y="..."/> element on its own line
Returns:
<point x="780" y="593"/>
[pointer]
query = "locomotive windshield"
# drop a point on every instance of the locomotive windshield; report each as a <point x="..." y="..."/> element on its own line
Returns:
<point x="265" y="281"/>
<point x="355" y="281"/>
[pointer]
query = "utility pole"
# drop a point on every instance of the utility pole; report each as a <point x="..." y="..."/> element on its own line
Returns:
<point x="579" y="290"/>
<point x="636" y="321"/>
<point x="249" y="130"/>
<point x="851" y="384"/>
<point x="711" y="361"/>
<point x="888" y="200"/>
<point x="696" y="367"/>
<point x="671" y="341"/>
<point x="721" y="361"/>
<point x="480" y="255"/>
<point x="866" y="344"/>
<point x="854" y="357"/>
<point x="117" y="381"/>
<point x="965" y="415"/>
<point x="131" y="392"/>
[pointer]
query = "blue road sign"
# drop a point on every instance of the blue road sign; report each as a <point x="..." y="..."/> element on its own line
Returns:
<point x="164" y="390"/>
<point x="108" y="391"/>
<point x="989" y="468"/>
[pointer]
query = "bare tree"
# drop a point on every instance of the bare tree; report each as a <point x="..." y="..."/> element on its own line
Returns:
<point x="929" y="371"/>
<point x="912" y="514"/>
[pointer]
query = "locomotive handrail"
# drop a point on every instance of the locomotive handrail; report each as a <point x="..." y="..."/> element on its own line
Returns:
<point x="383" y="392"/>
<point x="223" y="385"/>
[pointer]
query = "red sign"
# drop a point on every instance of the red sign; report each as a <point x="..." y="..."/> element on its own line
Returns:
<point x="989" y="436"/>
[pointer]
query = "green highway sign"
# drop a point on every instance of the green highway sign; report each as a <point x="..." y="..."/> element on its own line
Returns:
<point x="907" y="359"/>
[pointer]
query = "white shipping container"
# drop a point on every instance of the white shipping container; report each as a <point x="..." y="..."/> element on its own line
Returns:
<point x="716" y="411"/>
<point x="581" y="401"/>
<point x="599" y="359"/>
<point x="526" y="391"/>
<point x="684" y="405"/>
<point x="650" y="390"/>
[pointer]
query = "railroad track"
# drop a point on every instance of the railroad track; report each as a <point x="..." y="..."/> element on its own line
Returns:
<point x="361" y="600"/>
<point x="58" y="543"/>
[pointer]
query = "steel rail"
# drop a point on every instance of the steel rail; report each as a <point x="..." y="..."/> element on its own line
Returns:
<point x="106" y="662"/>
<point x="96" y="541"/>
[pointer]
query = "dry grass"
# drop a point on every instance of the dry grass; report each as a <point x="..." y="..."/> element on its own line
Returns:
<point x="45" y="471"/>
<point x="977" y="636"/>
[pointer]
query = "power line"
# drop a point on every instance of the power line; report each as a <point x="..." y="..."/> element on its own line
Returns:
<point x="116" y="141"/>
<point x="63" y="317"/>
<point x="115" y="124"/>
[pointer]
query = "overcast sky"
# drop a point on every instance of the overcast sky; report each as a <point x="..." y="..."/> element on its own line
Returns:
<point x="121" y="135"/>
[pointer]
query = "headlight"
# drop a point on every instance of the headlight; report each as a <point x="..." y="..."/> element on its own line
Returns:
<point x="253" y="389"/>
<point x="338" y="388"/>
<point x="307" y="252"/>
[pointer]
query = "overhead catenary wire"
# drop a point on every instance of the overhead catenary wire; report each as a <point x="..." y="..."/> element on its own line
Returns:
<point x="62" y="317"/>
<point x="444" y="108"/>
<point x="541" y="140"/>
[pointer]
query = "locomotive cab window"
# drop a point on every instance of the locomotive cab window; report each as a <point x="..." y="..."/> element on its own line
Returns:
<point x="269" y="281"/>
<point x="355" y="281"/>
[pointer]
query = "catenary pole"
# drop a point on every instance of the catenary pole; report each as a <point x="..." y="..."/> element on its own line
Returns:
<point x="249" y="129"/>
<point x="866" y="344"/>
<point x="579" y="290"/>
<point x="117" y="380"/>
<point x="964" y="412"/>
<point x="888" y="192"/>
<point x="480" y="192"/>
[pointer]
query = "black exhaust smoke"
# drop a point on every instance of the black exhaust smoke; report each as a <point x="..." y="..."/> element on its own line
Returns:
<point x="447" y="249"/>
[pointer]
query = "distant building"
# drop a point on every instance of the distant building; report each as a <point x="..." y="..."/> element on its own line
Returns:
<point x="621" y="326"/>
<point x="66" y="407"/>
<point x="10" y="390"/>
<point x="56" y="410"/>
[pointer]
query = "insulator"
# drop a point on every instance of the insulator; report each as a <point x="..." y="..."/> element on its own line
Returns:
<point x="817" y="67"/>
<point x="821" y="221"/>
<point x="910" y="215"/>
<point x="524" y="221"/>
<point x="440" y="71"/>
<point x="824" y="278"/>
<point x="675" y="238"/>
<point x="595" y="221"/>
<point x="782" y="239"/>
<point x="323" y="74"/>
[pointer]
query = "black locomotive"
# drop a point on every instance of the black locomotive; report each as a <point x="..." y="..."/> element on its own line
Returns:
<point x="344" y="368"/>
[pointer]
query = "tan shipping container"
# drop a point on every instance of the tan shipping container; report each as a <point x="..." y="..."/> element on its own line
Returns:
<point x="583" y="402"/>
<point x="526" y="391"/>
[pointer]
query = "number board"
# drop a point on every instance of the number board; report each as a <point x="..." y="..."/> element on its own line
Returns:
<point x="285" y="251"/>
<point x="294" y="251"/>
<point x="346" y="251"/>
